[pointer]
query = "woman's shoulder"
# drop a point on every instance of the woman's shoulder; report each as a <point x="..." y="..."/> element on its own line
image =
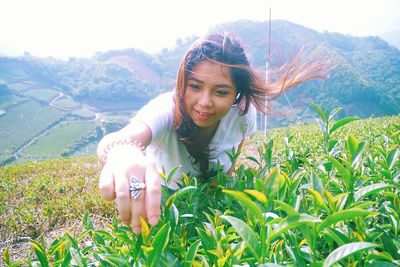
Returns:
<point x="157" y="113"/>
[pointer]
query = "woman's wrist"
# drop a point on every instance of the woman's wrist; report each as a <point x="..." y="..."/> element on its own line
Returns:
<point x="121" y="146"/>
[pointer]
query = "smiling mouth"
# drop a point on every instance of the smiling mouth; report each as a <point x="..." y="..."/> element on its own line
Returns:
<point x="202" y="115"/>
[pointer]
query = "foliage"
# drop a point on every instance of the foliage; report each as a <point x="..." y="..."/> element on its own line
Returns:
<point x="327" y="199"/>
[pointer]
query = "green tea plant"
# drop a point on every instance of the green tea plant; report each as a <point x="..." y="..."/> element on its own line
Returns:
<point x="336" y="204"/>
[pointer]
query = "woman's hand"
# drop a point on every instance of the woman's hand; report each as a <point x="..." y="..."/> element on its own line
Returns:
<point x="124" y="162"/>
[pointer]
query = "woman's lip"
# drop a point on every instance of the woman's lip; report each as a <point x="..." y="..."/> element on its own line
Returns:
<point x="202" y="115"/>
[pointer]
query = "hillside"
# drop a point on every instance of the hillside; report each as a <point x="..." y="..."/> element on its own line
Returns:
<point x="106" y="89"/>
<point x="308" y="194"/>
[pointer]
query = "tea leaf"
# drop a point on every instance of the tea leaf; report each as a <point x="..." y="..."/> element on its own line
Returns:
<point x="159" y="243"/>
<point x="40" y="253"/>
<point x="370" y="189"/>
<point x="321" y="113"/>
<point x="6" y="256"/>
<point x="145" y="228"/>
<point x="342" y="122"/>
<point x="289" y="210"/>
<point x="318" y="198"/>
<point x="392" y="157"/>
<point x="246" y="233"/>
<point x="115" y="260"/>
<point x="179" y="193"/>
<point x="341" y="216"/>
<point x="317" y="183"/>
<point x="290" y="223"/>
<point x="247" y="203"/>
<point x="257" y="195"/>
<point x="344" y="173"/>
<point x="191" y="253"/>
<point x="346" y="250"/>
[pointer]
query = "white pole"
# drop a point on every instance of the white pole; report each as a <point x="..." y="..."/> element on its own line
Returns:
<point x="267" y="72"/>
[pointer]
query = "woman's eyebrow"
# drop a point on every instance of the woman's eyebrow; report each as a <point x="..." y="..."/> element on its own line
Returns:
<point x="196" y="80"/>
<point x="222" y="85"/>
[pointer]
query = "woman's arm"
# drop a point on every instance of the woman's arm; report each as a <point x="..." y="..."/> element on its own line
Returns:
<point x="122" y="157"/>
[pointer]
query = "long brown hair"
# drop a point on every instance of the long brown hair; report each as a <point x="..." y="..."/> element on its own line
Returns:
<point x="226" y="49"/>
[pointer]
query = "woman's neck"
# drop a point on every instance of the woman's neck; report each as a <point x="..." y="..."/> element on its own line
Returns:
<point x="206" y="134"/>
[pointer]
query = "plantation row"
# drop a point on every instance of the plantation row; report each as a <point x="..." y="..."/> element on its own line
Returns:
<point x="27" y="116"/>
<point x="320" y="195"/>
<point x="23" y="122"/>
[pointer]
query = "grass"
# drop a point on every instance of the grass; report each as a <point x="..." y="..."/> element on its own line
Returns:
<point x="23" y="122"/>
<point x="84" y="113"/>
<point x="9" y="99"/>
<point x="42" y="94"/>
<point x="67" y="103"/>
<point x="22" y="86"/>
<point x="37" y="198"/>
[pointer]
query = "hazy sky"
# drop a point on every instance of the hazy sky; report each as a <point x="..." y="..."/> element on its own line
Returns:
<point x="64" y="28"/>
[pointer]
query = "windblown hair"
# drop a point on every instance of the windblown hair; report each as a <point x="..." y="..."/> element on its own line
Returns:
<point x="227" y="50"/>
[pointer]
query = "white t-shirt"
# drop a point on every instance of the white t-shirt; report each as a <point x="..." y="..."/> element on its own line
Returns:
<point x="168" y="152"/>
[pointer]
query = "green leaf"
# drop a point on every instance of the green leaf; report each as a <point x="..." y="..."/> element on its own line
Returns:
<point x="253" y="159"/>
<point x="115" y="260"/>
<point x="333" y="113"/>
<point x="356" y="157"/>
<point x="346" y="250"/>
<point x="6" y="256"/>
<point x="208" y="242"/>
<point x="389" y="246"/>
<point x="321" y="114"/>
<point x="159" y="243"/>
<point x="336" y="236"/>
<point x="370" y="189"/>
<point x="246" y="233"/>
<point x="290" y="223"/>
<point x="247" y="203"/>
<point x="341" y="216"/>
<point x="392" y="157"/>
<point x="318" y="198"/>
<point x="271" y="183"/>
<point x="289" y="210"/>
<point x="87" y="222"/>
<point x="40" y="253"/>
<point x="257" y="195"/>
<point x="317" y="183"/>
<point x="191" y="253"/>
<point x="351" y="144"/>
<point x="78" y="259"/>
<point x="179" y="193"/>
<point x="344" y="173"/>
<point x="342" y="122"/>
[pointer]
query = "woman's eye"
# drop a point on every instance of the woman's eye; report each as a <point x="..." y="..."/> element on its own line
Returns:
<point x="222" y="92"/>
<point x="194" y="86"/>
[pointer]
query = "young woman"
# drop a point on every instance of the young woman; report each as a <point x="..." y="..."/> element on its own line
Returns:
<point x="211" y="109"/>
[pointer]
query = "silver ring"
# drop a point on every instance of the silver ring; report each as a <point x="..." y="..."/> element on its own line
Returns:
<point x="135" y="186"/>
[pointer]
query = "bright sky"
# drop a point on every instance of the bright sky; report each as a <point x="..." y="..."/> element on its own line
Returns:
<point x="64" y="28"/>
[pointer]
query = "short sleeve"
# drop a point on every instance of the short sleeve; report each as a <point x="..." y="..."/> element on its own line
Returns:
<point x="251" y="121"/>
<point x="157" y="114"/>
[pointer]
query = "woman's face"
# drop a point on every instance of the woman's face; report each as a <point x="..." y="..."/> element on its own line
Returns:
<point x="210" y="94"/>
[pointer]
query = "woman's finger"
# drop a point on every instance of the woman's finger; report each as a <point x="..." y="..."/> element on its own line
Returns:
<point x="106" y="183"/>
<point x="137" y="202"/>
<point x="122" y="196"/>
<point x="152" y="194"/>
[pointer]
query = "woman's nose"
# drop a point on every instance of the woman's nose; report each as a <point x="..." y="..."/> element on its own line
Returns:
<point x="205" y="99"/>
